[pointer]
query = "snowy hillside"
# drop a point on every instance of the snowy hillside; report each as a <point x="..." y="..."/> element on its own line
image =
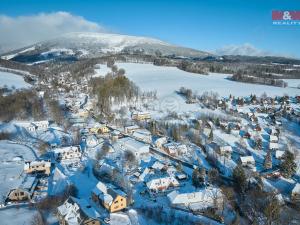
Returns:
<point x="97" y="44"/>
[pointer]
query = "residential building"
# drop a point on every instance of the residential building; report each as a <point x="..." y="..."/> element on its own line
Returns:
<point x="224" y="150"/>
<point x="161" y="184"/>
<point x="175" y="149"/>
<point x="68" y="153"/>
<point x="76" y="211"/>
<point x="160" y="141"/>
<point x="142" y="135"/>
<point x="141" y="116"/>
<point x="199" y="200"/>
<point x="136" y="147"/>
<point x="279" y="154"/>
<point x="131" y="129"/>
<point x="25" y="191"/>
<point x="38" y="167"/>
<point x="273" y="139"/>
<point x="110" y="197"/>
<point x="247" y="161"/>
<point x="295" y="194"/>
<point x="273" y="146"/>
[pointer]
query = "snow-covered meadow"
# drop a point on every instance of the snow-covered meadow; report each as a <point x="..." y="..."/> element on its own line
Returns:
<point x="12" y="80"/>
<point x="166" y="80"/>
<point x="101" y="70"/>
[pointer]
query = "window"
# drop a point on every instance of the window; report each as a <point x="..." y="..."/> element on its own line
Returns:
<point x="21" y="193"/>
<point x="116" y="202"/>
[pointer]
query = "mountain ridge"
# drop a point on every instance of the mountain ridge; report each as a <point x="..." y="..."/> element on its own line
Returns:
<point x="89" y="44"/>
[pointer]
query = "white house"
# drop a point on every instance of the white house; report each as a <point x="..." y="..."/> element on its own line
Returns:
<point x="273" y="138"/>
<point x="77" y="211"/>
<point x="160" y="141"/>
<point x="161" y="184"/>
<point x="37" y="167"/>
<point x="175" y="149"/>
<point x="225" y="150"/>
<point x="142" y="135"/>
<point x="247" y="161"/>
<point x="41" y="125"/>
<point x="199" y="200"/>
<point x="273" y="146"/>
<point x="295" y="194"/>
<point x="136" y="147"/>
<point x="141" y="116"/>
<point x="279" y="154"/>
<point x="131" y="129"/>
<point x="68" y="153"/>
<point x="274" y="131"/>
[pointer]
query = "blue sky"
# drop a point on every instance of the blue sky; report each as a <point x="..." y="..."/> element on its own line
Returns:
<point x="205" y="25"/>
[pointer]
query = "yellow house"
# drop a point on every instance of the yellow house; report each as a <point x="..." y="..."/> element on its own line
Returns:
<point x="110" y="197"/>
<point x="99" y="130"/>
<point x="103" y="129"/>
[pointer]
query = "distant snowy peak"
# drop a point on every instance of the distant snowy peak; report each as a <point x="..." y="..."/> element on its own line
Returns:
<point x="99" y="44"/>
<point x="102" y="43"/>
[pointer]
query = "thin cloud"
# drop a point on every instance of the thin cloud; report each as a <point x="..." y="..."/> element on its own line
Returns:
<point x="244" y="49"/>
<point x="249" y="50"/>
<point x="17" y="32"/>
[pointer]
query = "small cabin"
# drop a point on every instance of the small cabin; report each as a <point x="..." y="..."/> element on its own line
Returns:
<point x="24" y="192"/>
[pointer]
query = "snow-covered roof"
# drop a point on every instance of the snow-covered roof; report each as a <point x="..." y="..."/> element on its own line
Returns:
<point x="157" y="165"/>
<point x="72" y="208"/>
<point x="205" y="196"/>
<point x="133" y="127"/>
<point x="166" y="181"/>
<point x="226" y="148"/>
<point x="273" y="145"/>
<point x="161" y="140"/>
<point x="140" y="136"/>
<point x="28" y="165"/>
<point x="133" y="145"/>
<point x="278" y="153"/>
<point x="29" y="183"/>
<point x="141" y="113"/>
<point x="107" y="192"/>
<point x="296" y="189"/>
<point x="273" y="138"/>
<point x="86" y="208"/>
<point x="67" y="149"/>
<point x="246" y="159"/>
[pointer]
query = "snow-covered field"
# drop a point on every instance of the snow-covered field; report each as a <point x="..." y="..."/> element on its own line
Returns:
<point x="295" y="83"/>
<point x="11" y="166"/>
<point x="101" y="70"/>
<point x="10" y="80"/>
<point x="166" y="80"/>
<point x="16" y="216"/>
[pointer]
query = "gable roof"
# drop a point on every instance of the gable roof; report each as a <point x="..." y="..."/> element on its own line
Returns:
<point x="107" y="192"/>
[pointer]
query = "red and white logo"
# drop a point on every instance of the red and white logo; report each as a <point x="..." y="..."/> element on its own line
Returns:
<point x="286" y="15"/>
